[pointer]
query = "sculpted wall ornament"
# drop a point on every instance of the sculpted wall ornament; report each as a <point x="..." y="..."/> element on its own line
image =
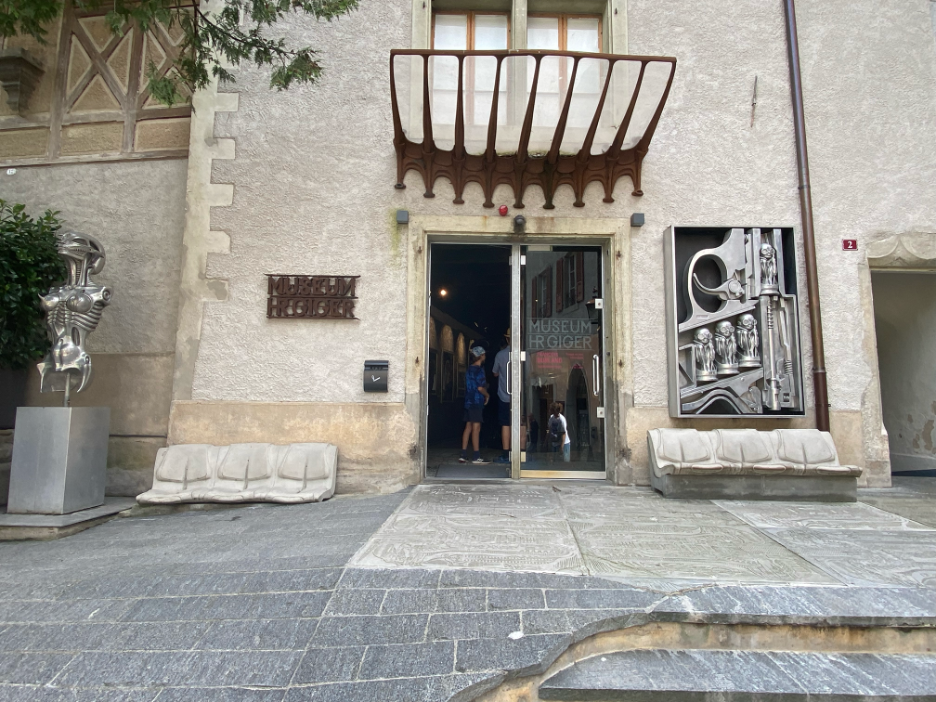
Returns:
<point x="741" y="283"/>
<point x="768" y="265"/>
<point x="726" y="348"/>
<point x="748" y="342"/>
<point x="910" y="251"/>
<point x="73" y="311"/>
<point x="704" y="356"/>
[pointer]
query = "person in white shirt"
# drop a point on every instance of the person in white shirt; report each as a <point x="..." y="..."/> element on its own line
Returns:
<point x="558" y="433"/>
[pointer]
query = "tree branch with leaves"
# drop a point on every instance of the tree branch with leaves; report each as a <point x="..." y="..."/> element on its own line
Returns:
<point x="238" y="31"/>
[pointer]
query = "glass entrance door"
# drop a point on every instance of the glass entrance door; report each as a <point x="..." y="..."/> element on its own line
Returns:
<point x="561" y="402"/>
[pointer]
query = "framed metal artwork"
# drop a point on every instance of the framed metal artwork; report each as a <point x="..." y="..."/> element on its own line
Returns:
<point x="732" y="322"/>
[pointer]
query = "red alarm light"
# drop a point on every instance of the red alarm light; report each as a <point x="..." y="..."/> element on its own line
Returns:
<point x="503" y="210"/>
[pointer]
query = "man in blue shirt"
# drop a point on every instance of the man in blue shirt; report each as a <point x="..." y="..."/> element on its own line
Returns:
<point x="500" y="372"/>
<point x="476" y="397"/>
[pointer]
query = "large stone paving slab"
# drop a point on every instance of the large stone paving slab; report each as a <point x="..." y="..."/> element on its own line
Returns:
<point x="918" y="509"/>
<point x="477" y="527"/>
<point x="864" y="557"/>
<point x="640" y="537"/>
<point x="536" y="502"/>
<point x="810" y="515"/>
<point x="919" y="485"/>
<point x="620" y="533"/>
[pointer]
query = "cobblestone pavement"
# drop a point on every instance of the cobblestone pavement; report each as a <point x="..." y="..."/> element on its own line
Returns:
<point x="264" y="603"/>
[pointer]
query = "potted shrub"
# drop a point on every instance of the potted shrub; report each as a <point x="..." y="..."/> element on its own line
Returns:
<point x="29" y="266"/>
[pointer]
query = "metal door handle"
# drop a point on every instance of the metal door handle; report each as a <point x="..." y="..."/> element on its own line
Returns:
<point x="596" y="381"/>
<point x="509" y="380"/>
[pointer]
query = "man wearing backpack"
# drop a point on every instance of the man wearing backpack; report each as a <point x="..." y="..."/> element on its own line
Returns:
<point x="558" y="433"/>
<point x="500" y="371"/>
<point x="476" y="397"/>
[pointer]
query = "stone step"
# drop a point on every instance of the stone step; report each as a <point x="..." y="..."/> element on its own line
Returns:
<point x="696" y="675"/>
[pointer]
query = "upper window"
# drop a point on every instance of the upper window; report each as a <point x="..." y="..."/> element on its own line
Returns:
<point x="564" y="32"/>
<point x="517" y="81"/>
<point x="481" y="31"/>
<point x="458" y="31"/>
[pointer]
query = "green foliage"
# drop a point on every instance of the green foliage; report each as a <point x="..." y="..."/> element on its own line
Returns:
<point x="30" y="17"/>
<point x="29" y="266"/>
<point x="212" y="41"/>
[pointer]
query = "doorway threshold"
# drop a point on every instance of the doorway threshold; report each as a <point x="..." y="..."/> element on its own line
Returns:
<point x="468" y="471"/>
<point x="564" y="474"/>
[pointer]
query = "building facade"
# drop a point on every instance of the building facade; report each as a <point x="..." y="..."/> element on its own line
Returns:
<point x="198" y="209"/>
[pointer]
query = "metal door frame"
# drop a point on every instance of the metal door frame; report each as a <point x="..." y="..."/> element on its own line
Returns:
<point x="516" y="472"/>
<point x="515" y="398"/>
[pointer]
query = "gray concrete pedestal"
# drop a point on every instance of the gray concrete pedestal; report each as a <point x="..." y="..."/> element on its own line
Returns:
<point x="59" y="459"/>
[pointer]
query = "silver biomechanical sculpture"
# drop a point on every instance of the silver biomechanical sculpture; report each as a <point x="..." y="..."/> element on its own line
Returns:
<point x="751" y="364"/>
<point x="726" y="348"/>
<point x="748" y="342"/>
<point x="704" y="352"/>
<point x="73" y="311"/>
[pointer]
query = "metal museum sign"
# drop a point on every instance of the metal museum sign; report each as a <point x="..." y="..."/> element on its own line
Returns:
<point x="311" y="296"/>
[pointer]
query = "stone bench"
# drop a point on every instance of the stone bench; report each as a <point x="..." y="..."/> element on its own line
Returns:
<point x="795" y="464"/>
<point x="243" y="473"/>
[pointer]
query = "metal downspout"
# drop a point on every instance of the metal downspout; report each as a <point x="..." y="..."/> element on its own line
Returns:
<point x="809" y="239"/>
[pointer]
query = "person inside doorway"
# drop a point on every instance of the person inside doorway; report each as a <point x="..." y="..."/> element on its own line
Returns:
<point x="476" y="397"/>
<point x="500" y="372"/>
<point x="533" y="426"/>
<point x="559" y="433"/>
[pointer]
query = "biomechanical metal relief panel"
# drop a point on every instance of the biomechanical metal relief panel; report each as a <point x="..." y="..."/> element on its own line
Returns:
<point x="732" y="322"/>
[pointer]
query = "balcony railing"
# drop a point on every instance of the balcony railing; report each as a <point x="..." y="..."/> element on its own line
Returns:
<point x="522" y="118"/>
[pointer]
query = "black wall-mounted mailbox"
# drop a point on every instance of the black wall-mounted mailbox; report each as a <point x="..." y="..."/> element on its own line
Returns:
<point x="375" y="376"/>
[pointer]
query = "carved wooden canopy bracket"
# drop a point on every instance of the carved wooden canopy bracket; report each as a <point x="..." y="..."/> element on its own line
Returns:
<point x="522" y="118"/>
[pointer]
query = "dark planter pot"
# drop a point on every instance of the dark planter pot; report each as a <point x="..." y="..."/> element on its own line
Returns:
<point x="13" y="383"/>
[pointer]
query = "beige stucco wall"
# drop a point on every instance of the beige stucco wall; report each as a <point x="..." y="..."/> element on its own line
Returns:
<point x="869" y="71"/>
<point x="136" y="210"/>
<point x="311" y="197"/>
<point x="310" y="187"/>
<point x="377" y="439"/>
